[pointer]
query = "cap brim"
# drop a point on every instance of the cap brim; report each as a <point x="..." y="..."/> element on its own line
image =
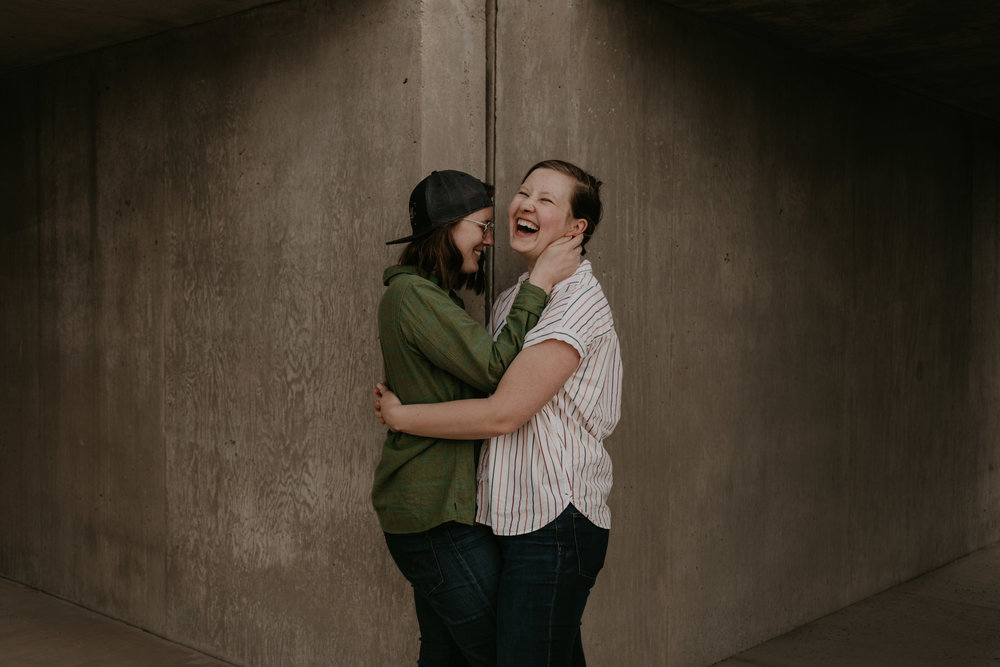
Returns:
<point x="411" y="237"/>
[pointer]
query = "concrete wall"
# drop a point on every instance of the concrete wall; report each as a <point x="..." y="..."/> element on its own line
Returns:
<point x="192" y="256"/>
<point x="805" y="269"/>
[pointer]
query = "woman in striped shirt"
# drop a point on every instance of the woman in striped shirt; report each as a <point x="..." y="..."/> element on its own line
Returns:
<point x="544" y="476"/>
<point x="424" y="488"/>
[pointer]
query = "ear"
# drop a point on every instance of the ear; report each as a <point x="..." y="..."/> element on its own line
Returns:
<point x="577" y="227"/>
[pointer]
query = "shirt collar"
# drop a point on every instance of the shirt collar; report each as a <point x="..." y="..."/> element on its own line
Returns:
<point x="584" y="268"/>
<point x="405" y="269"/>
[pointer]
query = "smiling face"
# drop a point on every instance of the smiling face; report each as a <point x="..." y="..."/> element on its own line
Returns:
<point x="540" y="213"/>
<point x="468" y="238"/>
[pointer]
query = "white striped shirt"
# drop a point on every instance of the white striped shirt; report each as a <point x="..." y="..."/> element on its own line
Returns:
<point x="528" y="477"/>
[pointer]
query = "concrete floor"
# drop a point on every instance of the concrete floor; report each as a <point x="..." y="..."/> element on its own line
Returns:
<point x="947" y="618"/>
<point x="38" y="630"/>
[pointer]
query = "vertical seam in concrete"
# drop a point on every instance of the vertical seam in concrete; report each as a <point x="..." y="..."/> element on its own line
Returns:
<point x="94" y="251"/>
<point x="39" y="300"/>
<point x="851" y="399"/>
<point x="491" y="129"/>
<point x="972" y="164"/>
<point x="166" y="296"/>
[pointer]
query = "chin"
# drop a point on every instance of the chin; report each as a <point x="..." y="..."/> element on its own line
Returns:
<point x="520" y="246"/>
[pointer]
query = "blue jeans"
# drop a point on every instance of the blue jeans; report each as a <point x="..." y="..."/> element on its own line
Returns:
<point x="547" y="577"/>
<point x="454" y="570"/>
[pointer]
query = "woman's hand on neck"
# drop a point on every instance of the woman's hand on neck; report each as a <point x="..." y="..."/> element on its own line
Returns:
<point x="556" y="263"/>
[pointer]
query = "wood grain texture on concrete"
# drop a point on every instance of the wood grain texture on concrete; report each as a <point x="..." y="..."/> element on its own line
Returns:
<point x="190" y="281"/>
<point x="291" y="159"/>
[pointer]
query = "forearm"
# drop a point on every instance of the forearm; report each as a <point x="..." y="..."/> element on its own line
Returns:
<point x="523" y="316"/>
<point x="533" y="379"/>
<point x="454" y="342"/>
<point x="470" y="419"/>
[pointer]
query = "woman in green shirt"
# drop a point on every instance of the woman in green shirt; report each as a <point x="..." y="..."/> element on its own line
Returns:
<point x="424" y="490"/>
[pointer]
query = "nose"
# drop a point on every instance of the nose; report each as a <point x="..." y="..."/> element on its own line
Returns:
<point x="488" y="239"/>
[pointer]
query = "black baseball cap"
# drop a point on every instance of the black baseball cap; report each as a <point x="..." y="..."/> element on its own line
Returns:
<point x="442" y="197"/>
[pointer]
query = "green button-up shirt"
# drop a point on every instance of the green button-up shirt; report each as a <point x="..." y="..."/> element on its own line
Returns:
<point x="434" y="351"/>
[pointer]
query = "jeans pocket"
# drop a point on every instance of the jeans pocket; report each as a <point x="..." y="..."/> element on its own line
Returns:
<point x="591" y="546"/>
<point x="415" y="557"/>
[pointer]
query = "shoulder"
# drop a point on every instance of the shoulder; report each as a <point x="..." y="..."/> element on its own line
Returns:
<point x="582" y="286"/>
<point x="411" y="297"/>
<point x="578" y="304"/>
<point x="407" y="279"/>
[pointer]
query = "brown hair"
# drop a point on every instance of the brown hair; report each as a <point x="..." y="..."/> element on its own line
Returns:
<point x="586" y="200"/>
<point x="437" y="255"/>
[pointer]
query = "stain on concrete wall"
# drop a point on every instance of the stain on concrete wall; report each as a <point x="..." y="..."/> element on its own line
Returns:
<point x="803" y="267"/>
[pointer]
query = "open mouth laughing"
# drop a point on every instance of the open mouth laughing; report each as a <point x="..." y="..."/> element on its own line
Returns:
<point x="525" y="227"/>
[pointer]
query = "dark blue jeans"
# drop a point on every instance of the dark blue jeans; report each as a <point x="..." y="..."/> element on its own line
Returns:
<point x="454" y="570"/>
<point x="547" y="577"/>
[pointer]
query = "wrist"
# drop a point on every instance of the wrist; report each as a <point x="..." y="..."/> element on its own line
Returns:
<point x="541" y="283"/>
<point x="389" y="421"/>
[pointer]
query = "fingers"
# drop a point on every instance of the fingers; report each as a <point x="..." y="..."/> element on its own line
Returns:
<point x="379" y="388"/>
<point x="566" y="244"/>
<point x="570" y="241"/>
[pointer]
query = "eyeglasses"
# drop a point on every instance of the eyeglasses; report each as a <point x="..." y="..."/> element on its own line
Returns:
<point x="487" y="226"/>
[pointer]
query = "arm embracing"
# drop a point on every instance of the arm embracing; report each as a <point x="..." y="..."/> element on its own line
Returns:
<point x="557" y="262"/>
<point x="451" y="340"/>
<point x="532" y="380"/>
<point x="448" y="338"/>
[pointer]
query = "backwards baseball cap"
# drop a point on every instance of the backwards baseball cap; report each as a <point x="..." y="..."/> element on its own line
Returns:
<point x="442" y="197"/>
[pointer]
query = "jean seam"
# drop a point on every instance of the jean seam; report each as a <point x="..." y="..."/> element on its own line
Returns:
<point x="437" y="566"/>
<point x="579" y="554"/>
<point x="470" y="574"/>
<point x="555" y="594"/>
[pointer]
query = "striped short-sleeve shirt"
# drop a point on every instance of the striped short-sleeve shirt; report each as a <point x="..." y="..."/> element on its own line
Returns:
<point x="528" y="477"/>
